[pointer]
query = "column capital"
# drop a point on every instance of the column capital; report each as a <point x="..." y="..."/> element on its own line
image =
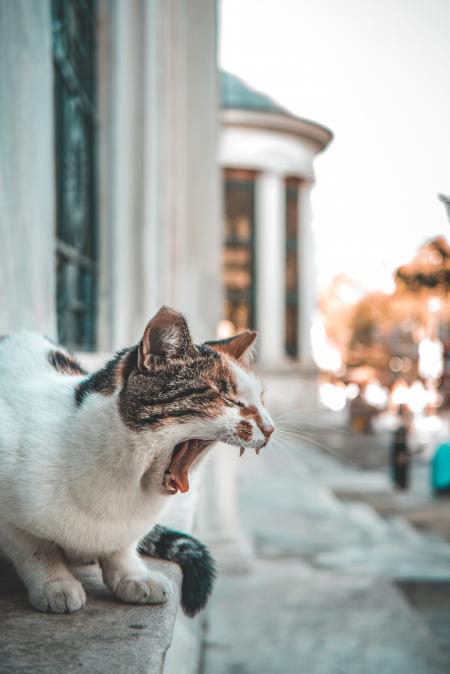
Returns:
<point x="271" y="173"/>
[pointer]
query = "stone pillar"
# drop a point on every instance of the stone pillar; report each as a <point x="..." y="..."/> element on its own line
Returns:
<point x="191" y="183"/>
<point x="156" y="229"/>
<point x="126" y="188"/>
<point x="159" y="179"/>
<point x="270" y="267"/>
<point x="307" y="274"/>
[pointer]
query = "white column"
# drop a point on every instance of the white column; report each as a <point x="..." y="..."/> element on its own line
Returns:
<point x="159" y="181"/>
<point x="190" y="155"/>
<point x="157" y="90"/>
<point x="270" y="267"/>
<point x="120" y="174"/>
<point x="307" y="292"/>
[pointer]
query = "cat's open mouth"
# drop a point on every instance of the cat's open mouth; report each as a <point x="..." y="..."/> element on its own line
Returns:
<point x="176" y="476"/>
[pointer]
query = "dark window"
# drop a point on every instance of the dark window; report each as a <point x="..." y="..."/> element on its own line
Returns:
<point x="239" y="249"/>
<point x="74" y="31"/>
<point x="292" y="225"/>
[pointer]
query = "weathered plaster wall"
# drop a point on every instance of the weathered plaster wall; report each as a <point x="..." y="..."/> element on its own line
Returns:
<point x="27" y="268"/>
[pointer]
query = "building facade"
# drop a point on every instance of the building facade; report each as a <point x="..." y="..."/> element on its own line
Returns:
<point x="267" y="157"/>
<point x="106" y="201"/>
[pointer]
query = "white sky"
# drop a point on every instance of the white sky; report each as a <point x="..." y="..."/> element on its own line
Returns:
<point x="377" y="73"/>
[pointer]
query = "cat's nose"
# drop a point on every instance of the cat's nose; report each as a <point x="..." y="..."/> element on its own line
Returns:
<point x="267" y="430"/>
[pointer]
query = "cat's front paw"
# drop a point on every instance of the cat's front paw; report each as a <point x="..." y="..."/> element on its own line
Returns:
<point x="152" y="590"/>
<point x="58" y="596"/>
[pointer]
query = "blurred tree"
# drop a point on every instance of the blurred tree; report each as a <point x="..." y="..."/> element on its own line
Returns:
<point x="429" y="271"/>
<point x="370" y="330"/>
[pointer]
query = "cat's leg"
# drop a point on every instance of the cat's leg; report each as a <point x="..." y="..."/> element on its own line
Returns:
<point x="127" y="576"/>
<point x="41" y="566"/>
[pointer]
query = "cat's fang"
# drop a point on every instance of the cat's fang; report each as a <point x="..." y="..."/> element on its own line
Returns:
<point x="169" y="482"/>
<point x="257" y="450"/>
<point x="241" y="451"/>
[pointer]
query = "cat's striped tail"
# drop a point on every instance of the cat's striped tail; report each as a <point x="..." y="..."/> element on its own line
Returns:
<point x="192" y="556"/>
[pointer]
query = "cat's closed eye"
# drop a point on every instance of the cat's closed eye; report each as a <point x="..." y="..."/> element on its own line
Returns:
<point x="230" y="401"/>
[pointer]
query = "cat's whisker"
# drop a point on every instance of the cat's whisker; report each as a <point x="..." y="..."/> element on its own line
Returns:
<point x="339" y="456"/>
<point x="284" y="445"/>
<point x="298" y="412"/>
<point x="310" y="423"/>
<point x="287" y="451"/>
<point x="296" y="430"/>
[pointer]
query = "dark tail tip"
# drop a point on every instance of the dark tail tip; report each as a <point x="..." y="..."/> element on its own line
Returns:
<point x="199" y="574"/>
<point x="194" y="558"/>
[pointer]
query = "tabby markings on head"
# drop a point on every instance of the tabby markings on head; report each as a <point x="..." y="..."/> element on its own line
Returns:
<point x="65" y="363"/>
<point x="175" y="389"/>
<point x="171" y="389"/>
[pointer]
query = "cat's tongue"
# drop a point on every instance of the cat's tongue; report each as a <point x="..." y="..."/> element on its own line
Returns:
<point x="176" y="476"/>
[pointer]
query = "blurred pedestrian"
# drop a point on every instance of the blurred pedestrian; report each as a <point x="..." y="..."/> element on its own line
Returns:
<point x="400" y="453"/>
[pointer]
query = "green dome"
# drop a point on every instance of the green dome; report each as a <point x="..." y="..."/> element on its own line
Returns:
<point x="236" y="94"/>
<point x="239" y="98"/>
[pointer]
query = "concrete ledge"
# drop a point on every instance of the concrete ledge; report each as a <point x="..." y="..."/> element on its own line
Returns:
<point x="106" y="636"/>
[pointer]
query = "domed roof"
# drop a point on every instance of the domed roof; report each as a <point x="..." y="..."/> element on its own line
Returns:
<point x="244" y="106"/>
<point x="235" y="93"/>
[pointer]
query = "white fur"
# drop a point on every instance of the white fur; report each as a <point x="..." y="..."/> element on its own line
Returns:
<point x="71" y="477"/>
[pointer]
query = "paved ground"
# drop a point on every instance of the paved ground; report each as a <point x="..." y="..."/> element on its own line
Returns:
<point x="369" y="454"/>
<point x="335" y="587"/>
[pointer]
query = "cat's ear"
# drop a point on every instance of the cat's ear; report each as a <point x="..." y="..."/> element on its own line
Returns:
<point x="166" y="336"/>
<point x="239" y="347"/>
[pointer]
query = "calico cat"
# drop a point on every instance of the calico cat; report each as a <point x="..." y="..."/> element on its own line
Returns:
<point x="89" y="462"/>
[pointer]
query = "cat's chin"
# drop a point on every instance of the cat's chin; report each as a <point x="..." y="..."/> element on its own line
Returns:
<point x="176" y="475"/>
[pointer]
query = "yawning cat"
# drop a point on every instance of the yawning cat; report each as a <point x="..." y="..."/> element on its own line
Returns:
<point x="89" y="462"/>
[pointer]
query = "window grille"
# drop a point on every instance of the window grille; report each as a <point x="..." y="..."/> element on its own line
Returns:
<point x="74" y="33"/>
